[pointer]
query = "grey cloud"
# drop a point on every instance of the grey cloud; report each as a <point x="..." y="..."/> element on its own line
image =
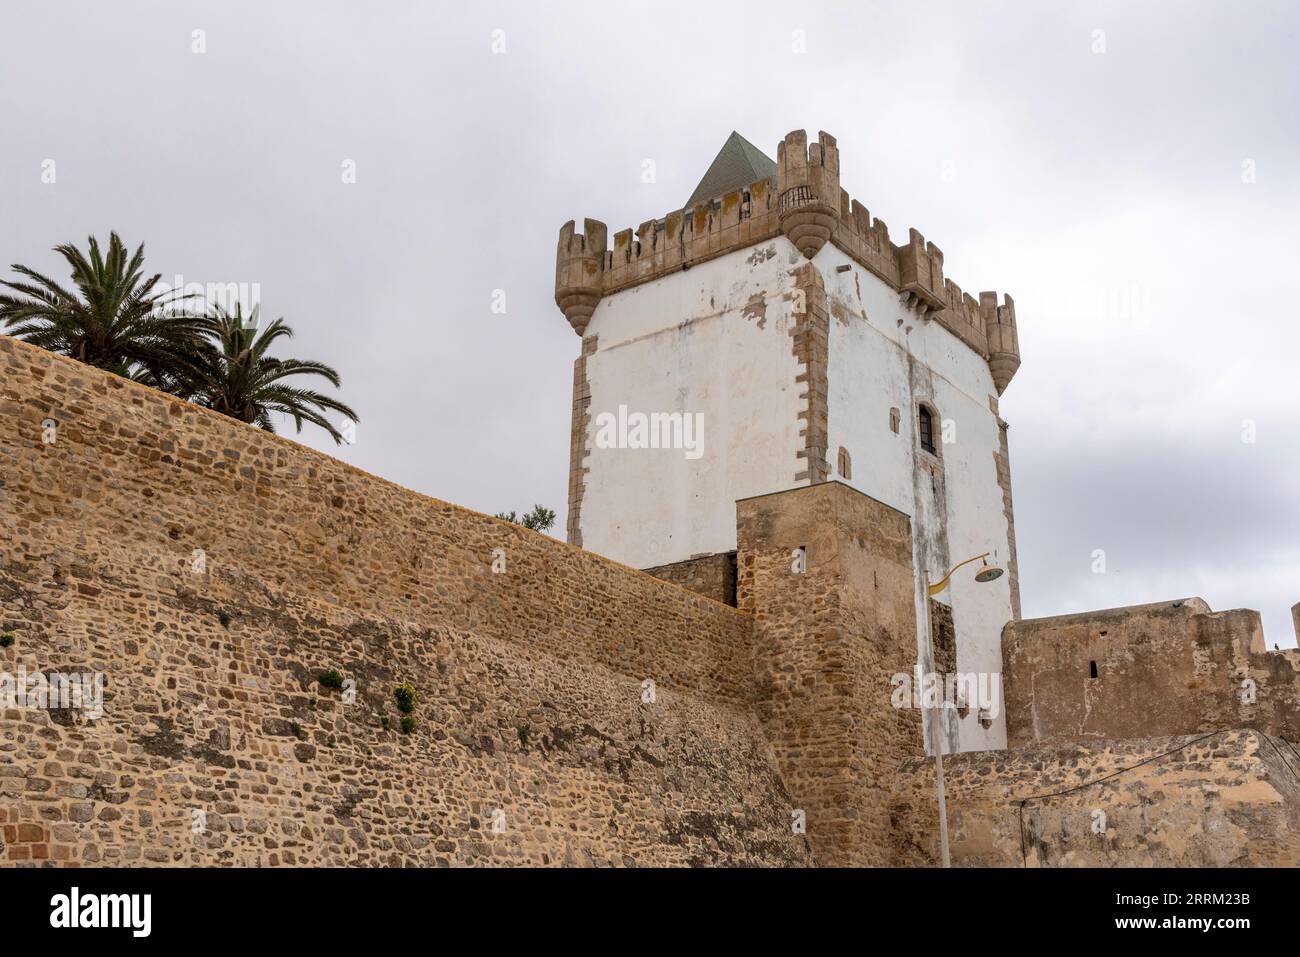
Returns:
<point x="1073" y="171"/>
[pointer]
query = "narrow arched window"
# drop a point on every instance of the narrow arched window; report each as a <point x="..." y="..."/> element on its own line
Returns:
<point x="926" y="429"/>
<point x="845" y="463"/>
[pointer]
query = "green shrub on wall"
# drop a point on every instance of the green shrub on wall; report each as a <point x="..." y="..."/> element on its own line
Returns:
<point x="405" y="695"/>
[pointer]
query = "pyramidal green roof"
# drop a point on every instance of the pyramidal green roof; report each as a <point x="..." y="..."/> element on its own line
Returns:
<point x="737" y="164"/>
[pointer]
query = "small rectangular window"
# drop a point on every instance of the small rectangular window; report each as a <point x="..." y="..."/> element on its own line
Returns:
<point x="927" y="430"/>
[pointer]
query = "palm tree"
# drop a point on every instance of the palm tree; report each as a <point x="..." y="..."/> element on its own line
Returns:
<point x="114" y="320"/>
<point x="234" y="375"/>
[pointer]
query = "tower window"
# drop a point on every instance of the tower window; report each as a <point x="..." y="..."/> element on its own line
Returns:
<point x="893" y="420"/>
<point x="1093" y="668"/>
<point x="845" y="463"/>
<point x="927" y="430"/>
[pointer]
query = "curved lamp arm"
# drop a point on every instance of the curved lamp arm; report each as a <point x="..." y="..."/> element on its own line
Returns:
<point x="932" y="590"/>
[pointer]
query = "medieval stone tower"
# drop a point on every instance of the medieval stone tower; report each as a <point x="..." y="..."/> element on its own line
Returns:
<point x="771" y="335"/>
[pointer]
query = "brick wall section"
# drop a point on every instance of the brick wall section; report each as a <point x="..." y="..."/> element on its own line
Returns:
<point x="27" y="841"/>
<point x="1002" y="463"/>
<point x="578" y="450"/>
<point x="530" y="681"/>
<point x="1227" y="799"/>
<point x="826" y="644"/>
<point x="1170" y="668"/>
<point x="713" y="576"/>
<point x="811" y="336"/>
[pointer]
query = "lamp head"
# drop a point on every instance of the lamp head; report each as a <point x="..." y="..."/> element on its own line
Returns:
<point x="988" y="573"/>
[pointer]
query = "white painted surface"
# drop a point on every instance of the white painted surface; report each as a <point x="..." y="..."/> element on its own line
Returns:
<point x="685" y="343"/>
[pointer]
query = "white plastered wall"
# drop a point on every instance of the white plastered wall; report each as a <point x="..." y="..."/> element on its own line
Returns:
<point x="714" y="339"/>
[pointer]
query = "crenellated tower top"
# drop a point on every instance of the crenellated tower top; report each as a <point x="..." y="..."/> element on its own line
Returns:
<point x="810" y="208"/>
<point x="808" y="189"/>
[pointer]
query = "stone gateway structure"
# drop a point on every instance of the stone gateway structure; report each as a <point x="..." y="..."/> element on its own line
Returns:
<point x="224" y="648"/>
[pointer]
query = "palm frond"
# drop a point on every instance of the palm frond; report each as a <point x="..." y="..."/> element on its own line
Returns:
<point x="113" y="316"/>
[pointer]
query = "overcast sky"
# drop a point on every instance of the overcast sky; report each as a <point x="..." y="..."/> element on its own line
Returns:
<point x="1109" y="192"/>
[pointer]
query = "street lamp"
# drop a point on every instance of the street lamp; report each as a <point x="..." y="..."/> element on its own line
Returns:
<point x="987" y="573"/>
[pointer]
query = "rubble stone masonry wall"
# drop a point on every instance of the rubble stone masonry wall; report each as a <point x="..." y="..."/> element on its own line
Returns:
<point x="828" y="641"/>
<point x="1169" y="668"/>
<point x="568" y="710"/>
<point x="711" y="575"/>
<point x="537" y="738"/>
<point x="1223" y="799"/>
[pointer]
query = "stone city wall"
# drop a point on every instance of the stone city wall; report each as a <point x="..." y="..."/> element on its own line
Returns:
<point x="1224" y="799"/>
<point x="211" y="572"/>
<point x="1169" y="668"/>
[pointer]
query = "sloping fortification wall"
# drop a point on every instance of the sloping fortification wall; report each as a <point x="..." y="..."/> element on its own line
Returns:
<point x="535" y="742"/>
<point x="1169" y="668"/>
<point x="1224" y="799"/>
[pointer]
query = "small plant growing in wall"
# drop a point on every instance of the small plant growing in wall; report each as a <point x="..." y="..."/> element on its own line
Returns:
<point x="224" y="618"/>
<point x="405" y="695"/>
<point x="408" y="724"/>
<point x="331" y="679"/>
<point x="298" y="733"/>
<point x="7" y="639"/>
<point x="540" y="519"/>
<point x="384" y="722"/>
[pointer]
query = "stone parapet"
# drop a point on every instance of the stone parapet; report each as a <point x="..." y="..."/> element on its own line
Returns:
<point x="806" y="204"/>
<point x="1168" y="668"/>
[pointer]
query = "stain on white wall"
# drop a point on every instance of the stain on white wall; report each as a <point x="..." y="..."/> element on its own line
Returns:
<point x="714" y="339"/>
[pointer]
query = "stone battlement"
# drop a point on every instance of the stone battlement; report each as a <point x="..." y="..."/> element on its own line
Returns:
<point x="807" y="205"/>
<point x="1168" y="668"/>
